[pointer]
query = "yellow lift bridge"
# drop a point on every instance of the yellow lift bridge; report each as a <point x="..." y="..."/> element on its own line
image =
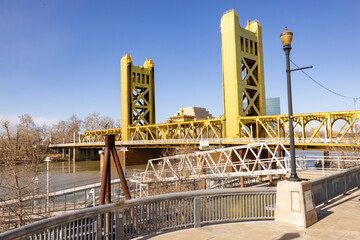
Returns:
<point x="244" y="120"/>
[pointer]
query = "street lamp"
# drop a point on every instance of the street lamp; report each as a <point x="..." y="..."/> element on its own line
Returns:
<point x="47" y="160"/>
<point x="286" y="38"/>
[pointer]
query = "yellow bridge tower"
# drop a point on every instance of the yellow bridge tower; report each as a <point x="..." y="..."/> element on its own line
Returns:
<point x="243" y="72"/>
<point x="137" y="95"/>
<point x="244" y="120"/>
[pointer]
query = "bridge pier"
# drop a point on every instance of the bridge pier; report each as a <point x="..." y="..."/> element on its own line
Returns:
<point x="79" y="154"/>
<point x="133" y="157"/>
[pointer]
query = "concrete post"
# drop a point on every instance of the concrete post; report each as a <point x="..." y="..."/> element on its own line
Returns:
<point x="120" y="225"/>
<point x="197" y="212"/>
<point x="295" y="204"/>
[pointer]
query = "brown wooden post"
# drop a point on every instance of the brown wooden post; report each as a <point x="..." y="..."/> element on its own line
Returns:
<point x="279" y="156"/>
<point x="258" y="164"/>
<point x="242" y="182"/>
<point x="283" y="154"/>
<point x="270" y="167"/>
<point x="203" y="181"/>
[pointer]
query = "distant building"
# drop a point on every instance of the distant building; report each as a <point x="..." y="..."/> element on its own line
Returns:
<point x="273" y="106"/>
<point x="190" y="113"/>
<point x="198" y="112"/>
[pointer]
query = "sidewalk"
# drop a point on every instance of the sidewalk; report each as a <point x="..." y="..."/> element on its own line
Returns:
<point x="339" y="220"/>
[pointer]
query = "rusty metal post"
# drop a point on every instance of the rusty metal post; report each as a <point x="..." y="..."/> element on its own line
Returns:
<point x="108" y="184"/>
<point x="111" y="139"/>
<point x="105" y="171"/>
<point x="242" y="182"/>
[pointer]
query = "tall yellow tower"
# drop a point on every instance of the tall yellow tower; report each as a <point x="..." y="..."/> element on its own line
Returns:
<point x="243" y="71"/>
<point x="137" y="95"/>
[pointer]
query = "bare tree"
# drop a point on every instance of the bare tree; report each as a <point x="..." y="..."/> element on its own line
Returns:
<point x="22" y="148"/>
<point x="94" y="121"/>
<point x="64" y="131"/>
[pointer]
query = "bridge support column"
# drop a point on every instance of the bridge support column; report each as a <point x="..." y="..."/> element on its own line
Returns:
<point x="133" y="157"/>
<point x="74" y="155"/>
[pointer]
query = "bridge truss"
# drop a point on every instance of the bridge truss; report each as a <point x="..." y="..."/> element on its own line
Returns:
<point x="329" y="128"/>
<point x="249" y="160"/>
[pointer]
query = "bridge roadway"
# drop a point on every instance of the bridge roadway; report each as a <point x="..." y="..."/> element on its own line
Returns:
<point x="338" y="220"/>
<point x="321" y="144"/>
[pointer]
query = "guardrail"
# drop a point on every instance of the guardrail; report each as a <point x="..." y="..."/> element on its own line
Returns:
<point x="142" y="216"/>
<point x="217" y="141"/>
<point x="331" y="186"/>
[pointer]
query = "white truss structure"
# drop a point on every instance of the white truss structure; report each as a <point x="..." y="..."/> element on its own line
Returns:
<point x="246" y="160"/>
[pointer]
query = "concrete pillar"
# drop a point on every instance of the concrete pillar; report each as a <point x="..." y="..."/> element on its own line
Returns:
<point x="74" y="159"/>
<point x="74" y="154"/>
<point x="295" y="204"/>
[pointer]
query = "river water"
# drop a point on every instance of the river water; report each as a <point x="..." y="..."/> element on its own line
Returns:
<point x="63" y="175"/>
<point x="67" y="174"/>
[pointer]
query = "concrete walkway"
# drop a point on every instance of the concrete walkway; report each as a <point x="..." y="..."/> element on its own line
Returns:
<point x="339" y="220"/>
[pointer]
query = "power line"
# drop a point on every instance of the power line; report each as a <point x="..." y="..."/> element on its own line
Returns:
<point x="355" y="99"/>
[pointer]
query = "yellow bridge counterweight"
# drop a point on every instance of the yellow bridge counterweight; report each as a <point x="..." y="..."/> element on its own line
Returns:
<point x="243" y="72"/>
<point x="137" y="95"/>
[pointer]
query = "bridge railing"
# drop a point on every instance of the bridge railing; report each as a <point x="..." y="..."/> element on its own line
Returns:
<point x="136" y="217"/>
<point x="334" y="185"/>
<point x="218" y="141"/>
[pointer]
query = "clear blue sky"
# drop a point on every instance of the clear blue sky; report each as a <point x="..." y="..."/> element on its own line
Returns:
<point x="62" y="57"/>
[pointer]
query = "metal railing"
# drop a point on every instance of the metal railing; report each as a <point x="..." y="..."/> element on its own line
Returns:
<point x="217" y="141"/>
<point x="142" y="216"/>
<point x="332" y="186"/>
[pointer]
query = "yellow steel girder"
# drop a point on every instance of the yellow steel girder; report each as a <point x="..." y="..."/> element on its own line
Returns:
<point x="336" y="127"/>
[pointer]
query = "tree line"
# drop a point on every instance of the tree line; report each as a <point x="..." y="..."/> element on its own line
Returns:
<point x="64" y="130"/>
<point x="27" y="143"/>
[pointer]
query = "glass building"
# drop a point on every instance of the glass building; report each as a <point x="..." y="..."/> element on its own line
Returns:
<point x="273" y="106"/>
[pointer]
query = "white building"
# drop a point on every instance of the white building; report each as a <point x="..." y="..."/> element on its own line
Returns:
<point x="197" y="112"/>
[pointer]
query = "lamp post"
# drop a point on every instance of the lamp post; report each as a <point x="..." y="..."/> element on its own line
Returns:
<point x="286" y="38"/>
<point x="47" y="160"/>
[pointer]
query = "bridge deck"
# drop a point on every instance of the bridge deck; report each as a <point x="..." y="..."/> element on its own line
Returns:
<point x="300" y="144"/>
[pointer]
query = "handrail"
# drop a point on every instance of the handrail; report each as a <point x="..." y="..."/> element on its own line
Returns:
<point x="218" y="141"/>
<point x="331" y="186"/>
<point x="47" y="226"/>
